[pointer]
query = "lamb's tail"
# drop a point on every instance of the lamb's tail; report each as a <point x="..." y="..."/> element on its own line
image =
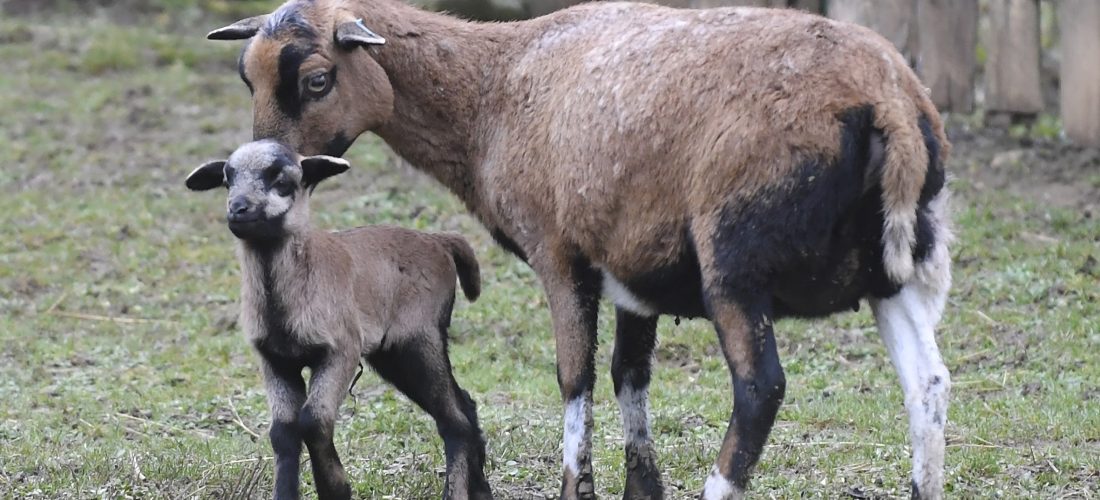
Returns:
<point x="913" y="150"/>
<point x="469" y="273"/>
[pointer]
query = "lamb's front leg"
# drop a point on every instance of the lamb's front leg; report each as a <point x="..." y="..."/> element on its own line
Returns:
<point x="573" y="291"/>
<point x="286" y="392"/>
<point x="328" y="385"/>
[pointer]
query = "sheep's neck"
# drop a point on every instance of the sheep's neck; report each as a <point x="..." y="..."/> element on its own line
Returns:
<point x="437" y="66"/>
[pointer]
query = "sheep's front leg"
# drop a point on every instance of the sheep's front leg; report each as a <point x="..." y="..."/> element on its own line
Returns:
<point x="635" y="339"/>
<point x="907" y="323"/>
<point x="328" y="385"/>
<point x="573" y="293"/>
<point x="286" y="392"/>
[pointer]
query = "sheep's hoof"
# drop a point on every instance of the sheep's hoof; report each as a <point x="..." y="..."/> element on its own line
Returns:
<point x="580" y="487"/>
<point x="643" y="480"/>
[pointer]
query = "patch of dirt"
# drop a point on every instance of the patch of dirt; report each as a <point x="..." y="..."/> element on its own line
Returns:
<point x="1044" y="171"/>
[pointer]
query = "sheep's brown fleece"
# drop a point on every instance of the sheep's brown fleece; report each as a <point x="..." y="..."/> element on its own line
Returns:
<point x="736" y="163"/>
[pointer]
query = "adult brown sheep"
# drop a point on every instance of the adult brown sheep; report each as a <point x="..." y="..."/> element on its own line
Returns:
<point x="736" y="164"/>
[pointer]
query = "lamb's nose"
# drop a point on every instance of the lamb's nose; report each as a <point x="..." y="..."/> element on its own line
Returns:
<point x="238" y="206"/>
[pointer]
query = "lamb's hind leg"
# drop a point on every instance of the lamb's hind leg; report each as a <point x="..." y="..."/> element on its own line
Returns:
<point x="421" y="370"/>
<point x="907" y="324"/>
<point x="328" y="386"/>
<point x="635" y="339"/>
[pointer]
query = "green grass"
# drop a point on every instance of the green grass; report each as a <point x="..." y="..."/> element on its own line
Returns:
<point x="124" y="374"/>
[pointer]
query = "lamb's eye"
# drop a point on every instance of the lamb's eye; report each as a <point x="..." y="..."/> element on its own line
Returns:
<point x="282" y="186"/>
<point x="317" y="84"/>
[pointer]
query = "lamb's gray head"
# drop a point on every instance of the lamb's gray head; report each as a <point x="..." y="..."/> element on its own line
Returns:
<point x="269" y="186"/>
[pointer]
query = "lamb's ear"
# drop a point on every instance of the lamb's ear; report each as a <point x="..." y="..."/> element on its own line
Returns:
<point x="318" y="168"/>
<point x="209" y="176"/>
<point x="240" y="30"/>
<point x="355" y="34"/>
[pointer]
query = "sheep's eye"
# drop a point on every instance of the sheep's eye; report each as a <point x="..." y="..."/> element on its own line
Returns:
<point x="317" y="84"/>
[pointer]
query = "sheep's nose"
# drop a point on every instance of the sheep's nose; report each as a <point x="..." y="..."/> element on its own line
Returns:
<point x="238" y="206"/>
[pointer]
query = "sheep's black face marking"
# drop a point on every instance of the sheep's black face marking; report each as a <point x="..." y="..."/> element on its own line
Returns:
<point x="338" y="145"/>
<point x="242" y="73"/>
<point x="288" y="94"/>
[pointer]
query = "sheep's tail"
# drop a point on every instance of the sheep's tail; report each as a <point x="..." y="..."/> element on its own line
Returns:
<point x="469" y="273"/>
<point x="913" y="146"/>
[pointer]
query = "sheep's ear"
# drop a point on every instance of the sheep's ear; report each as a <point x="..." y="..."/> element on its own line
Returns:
<point x="240" y="30"/>
<point x="209" y="176"/>
<point x="318" y="168"/>
<point x="356" y="34"/>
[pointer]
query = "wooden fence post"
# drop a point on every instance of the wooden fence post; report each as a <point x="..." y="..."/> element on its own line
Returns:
<point x="1012" y="68"/>
<point x="892" y="19"/>
<point x="948" y="33"/>
<point x="1080" y="24"/>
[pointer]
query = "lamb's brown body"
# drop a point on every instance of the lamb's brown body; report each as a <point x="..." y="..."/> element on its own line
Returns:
<point x="739" y="164"/>
<point x="389" y="281"/>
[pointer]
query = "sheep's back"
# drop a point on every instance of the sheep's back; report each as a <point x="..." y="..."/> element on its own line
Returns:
<point x="623" y="121"/>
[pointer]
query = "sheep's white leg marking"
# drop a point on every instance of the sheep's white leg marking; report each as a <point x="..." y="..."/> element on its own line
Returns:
<point x="634" y="407"/>
<point x="621" y="296"/>
<point x="577" y="436"/>
<point x="718" y="487"/>
<point x="907" y="323"/>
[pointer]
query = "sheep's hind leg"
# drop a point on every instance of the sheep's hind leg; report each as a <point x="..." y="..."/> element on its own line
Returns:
<point x="421" y="370"/>
<point x="635" y="339"/>
<point x="286" y="392"/>
<point x="743" y="323"/>
<point x="328" y="386"/>
<point x="907" y="323"/>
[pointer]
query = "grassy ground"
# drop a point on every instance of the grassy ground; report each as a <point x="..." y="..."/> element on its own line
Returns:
<point x="124" y="374"/>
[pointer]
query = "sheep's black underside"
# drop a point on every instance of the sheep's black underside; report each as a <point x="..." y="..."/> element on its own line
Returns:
<point x="814" y="242"/>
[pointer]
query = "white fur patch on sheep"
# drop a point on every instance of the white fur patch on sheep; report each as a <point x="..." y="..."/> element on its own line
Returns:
<point x="621" y="296"/>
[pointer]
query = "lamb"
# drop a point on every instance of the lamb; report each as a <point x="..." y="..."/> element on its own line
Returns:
<point x="311" y="298"/>
<point x="737" y="164"/>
